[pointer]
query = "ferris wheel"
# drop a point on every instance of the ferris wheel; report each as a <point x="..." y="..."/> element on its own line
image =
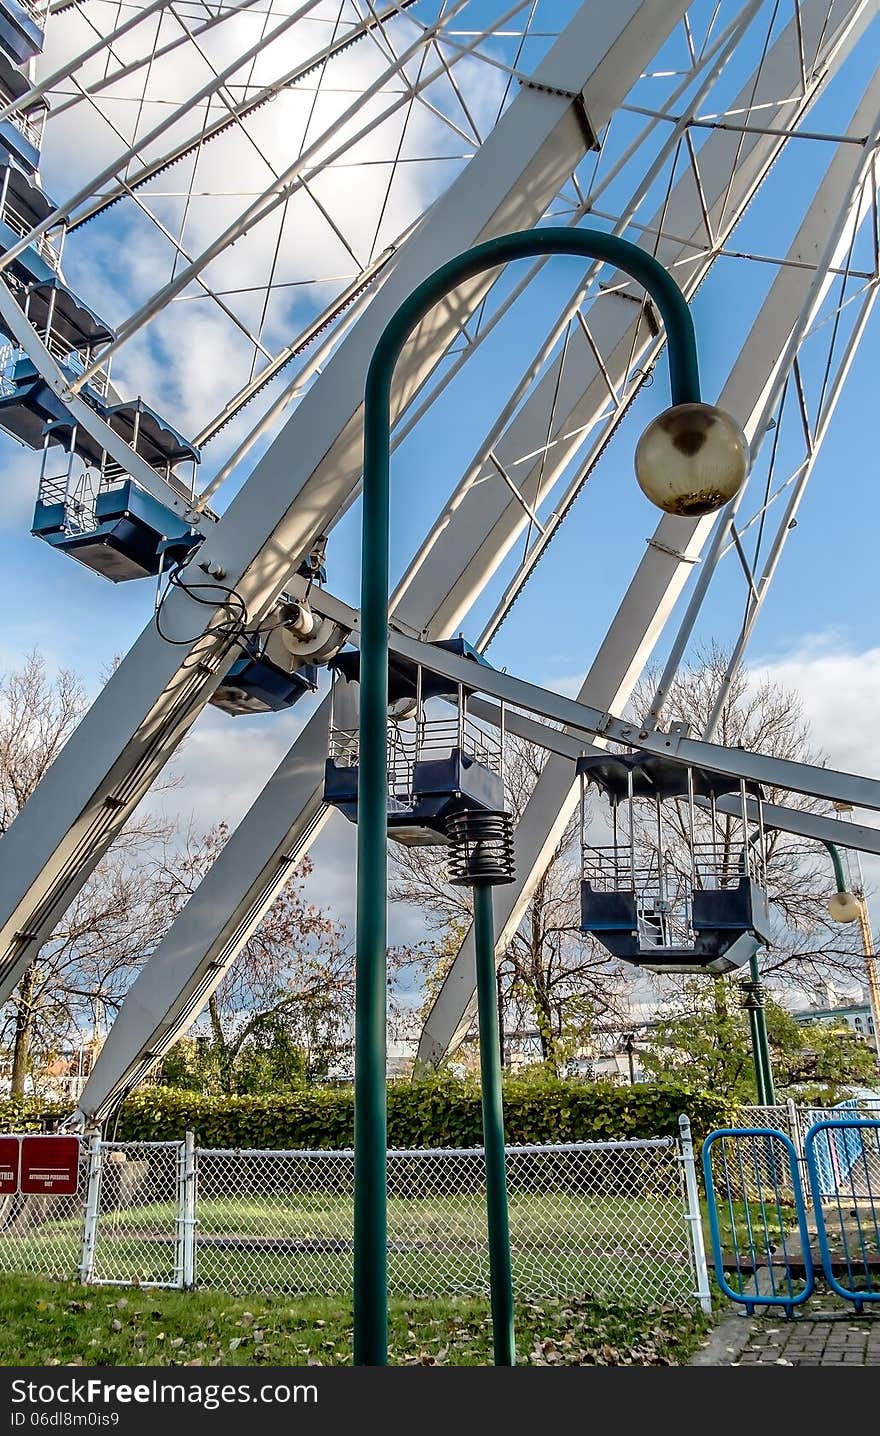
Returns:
<point x="208" y="213"/>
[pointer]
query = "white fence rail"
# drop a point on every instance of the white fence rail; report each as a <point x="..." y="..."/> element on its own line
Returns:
<point x="618" y="1219"/>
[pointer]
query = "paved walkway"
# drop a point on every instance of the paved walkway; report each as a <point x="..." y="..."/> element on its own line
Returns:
<point x="816" y="1338"/>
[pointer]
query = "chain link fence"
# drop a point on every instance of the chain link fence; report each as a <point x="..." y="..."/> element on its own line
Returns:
<point x="795" y="1122"/>
<point x="605" y="1217"/>
<point x="619" y="1220"/>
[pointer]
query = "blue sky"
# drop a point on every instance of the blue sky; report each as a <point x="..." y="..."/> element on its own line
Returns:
<point x="817" y="630"/>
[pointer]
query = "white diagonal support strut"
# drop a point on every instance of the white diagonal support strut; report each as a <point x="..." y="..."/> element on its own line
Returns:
<point x="479" y="520"/>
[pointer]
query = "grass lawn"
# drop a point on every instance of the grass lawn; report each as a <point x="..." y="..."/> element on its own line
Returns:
<point x="45" y="1323"/>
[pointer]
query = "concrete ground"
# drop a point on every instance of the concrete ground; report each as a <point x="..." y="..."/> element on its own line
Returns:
<point x="814" y="1337"/>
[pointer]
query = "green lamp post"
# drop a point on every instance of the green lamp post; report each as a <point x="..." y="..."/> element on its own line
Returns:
<point x="843" y="907"/>
<point x="753" y="1003"/>
<point x="691" y="459"/>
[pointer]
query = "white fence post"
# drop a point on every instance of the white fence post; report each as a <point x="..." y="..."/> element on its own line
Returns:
<point x="90" y="1225"/>
<point x="693" y="1215"/>
<point x="798" y="1123"/>
<point x="187" y="1214"/>
<point x="794" y="1126"/>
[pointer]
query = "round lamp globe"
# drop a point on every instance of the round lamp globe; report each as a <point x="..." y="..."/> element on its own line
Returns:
<point x="844" y="907"/>
<point x="692" y="459"/>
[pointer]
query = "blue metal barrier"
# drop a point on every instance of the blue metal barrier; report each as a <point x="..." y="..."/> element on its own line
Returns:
<point x="755" y="1171"/>
<point x="843" y="1162"/>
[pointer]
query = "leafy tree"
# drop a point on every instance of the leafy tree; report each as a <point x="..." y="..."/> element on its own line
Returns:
<point x="825" y="1056"/>
<point x="703" y="1037"/>
<point x="283" y="1013"/>
<point x="269" y="1061"/>
<point x="765" y="717"/>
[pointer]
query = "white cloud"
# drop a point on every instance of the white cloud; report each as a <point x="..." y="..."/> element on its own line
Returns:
<point x="840" y="692"/>
<point x="19" y="467"/>
<point x="224" y="763"/>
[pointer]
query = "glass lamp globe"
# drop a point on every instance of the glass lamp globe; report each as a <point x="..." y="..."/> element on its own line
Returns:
<point x="692" y="459"/>
<point x="844" y="907"/>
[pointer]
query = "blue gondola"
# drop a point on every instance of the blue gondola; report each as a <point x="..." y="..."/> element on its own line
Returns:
<point x="23" y="205"/>
<point x="92" y="510"/>
<point x="151" y="436"/>
<point x="254" y="684"/>
<point x="123" y="535"/>
<point x="681" y="886"/>
<point x="22" y="133"/>
<point x="29" y="408"/>
<point x="21" y="29"/>
<point x="440" y="761"/>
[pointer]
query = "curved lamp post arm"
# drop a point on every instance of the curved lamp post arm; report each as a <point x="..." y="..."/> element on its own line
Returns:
<point x="370" y="1245"/>
<point x="837" y="863"/>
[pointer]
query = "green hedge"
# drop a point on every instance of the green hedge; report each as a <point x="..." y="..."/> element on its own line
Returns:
<point x="438" y="1113"/>
<point x="31" y="1115"/>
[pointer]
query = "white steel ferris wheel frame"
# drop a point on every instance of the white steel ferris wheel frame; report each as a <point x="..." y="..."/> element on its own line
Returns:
<point x="204" y="941"/>
<point x="310" y="475"/>
<point x="306" y="477"/>
<point x="227" y="907"/>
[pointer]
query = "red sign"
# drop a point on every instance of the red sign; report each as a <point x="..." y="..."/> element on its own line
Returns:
<point x="10" y="1153"/>
<point x="50" y="1166"/>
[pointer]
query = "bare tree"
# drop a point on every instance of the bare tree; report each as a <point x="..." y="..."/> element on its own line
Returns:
<point x="81" y="973"/>
<point x="766" y="717"/>
<point x="292" y="983"/>
<point x="553" y="981"/>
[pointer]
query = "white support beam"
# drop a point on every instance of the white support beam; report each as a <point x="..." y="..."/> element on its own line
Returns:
<point x="581" y="723"/>
<point x="579" y="716"/>
<point x="306" y="478"/>
<point x="775" y="815"/>
<point x="656" y="586"/>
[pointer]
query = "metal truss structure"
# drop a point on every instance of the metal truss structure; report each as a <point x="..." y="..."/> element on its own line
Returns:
<point x="659" y="119"/>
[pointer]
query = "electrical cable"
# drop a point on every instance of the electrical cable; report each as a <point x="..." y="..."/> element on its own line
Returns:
<point x="230" y="630"/>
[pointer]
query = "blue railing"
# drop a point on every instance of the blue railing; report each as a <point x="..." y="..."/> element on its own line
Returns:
<point x="754" y="1172"/>
<point x="843" y="1162"/>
